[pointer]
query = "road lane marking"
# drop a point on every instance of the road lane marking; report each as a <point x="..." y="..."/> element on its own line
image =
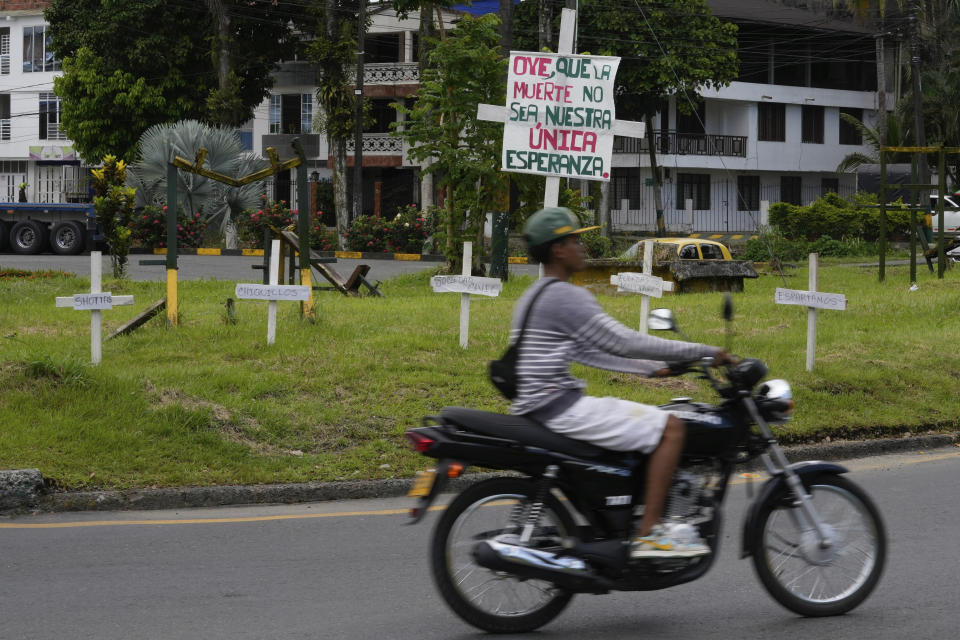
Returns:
<point x="735" y="480"/>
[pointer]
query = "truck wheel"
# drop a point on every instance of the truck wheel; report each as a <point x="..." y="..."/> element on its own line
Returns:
<point x="28" y="237"/>
<point x="4" y="237"/>
<point x="66" y="238"/>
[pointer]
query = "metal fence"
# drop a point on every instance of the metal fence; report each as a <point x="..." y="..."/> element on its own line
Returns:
<point x="727" y="210"/>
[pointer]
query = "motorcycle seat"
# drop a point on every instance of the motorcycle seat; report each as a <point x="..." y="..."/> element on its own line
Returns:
<point x="525" y="430"/>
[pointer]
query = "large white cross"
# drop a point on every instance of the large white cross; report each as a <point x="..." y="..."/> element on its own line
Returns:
<point x="644" y="283"/>
<point x="498" y="113"/>
<point x="94" y="302"/>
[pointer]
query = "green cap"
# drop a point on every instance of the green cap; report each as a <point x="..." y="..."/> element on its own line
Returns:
<point x="551" y="223"/>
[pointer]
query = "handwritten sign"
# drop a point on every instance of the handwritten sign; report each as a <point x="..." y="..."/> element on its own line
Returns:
<point x="94" y="302"/>
<point x="815" y="299"/>
<point x="640" y="283"/>
<point x="467" y="284"/>
<point x="272" y="292"/>
<point x="560" y="115"/>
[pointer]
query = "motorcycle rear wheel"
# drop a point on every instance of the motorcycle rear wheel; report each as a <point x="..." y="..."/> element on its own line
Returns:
<point x="496" y="601"/>
<point x="817" y="582"/>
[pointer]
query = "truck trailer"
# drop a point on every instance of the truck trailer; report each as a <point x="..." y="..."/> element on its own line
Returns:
<point x="34" y="227"/>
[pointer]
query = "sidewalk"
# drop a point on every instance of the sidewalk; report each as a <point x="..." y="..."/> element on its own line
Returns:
<point x="24" y="491"/>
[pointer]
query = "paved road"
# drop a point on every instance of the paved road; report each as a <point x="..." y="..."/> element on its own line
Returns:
<point x="238" y="268"/>
<point x="352" y="570"/>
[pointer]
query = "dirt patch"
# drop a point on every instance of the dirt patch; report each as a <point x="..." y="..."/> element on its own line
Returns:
<point x="230" y="426"/>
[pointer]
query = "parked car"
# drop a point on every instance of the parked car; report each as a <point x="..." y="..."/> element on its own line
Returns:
<point x="951" y="214"/>
<point x="685" y="249"/>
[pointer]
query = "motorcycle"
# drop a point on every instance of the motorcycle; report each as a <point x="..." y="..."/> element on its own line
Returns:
<point x="509" y="553"/>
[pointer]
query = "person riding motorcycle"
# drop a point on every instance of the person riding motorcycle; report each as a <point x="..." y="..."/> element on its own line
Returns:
<point x="567" y="324"/>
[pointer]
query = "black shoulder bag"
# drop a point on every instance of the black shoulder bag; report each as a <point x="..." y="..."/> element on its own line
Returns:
<point x="503" y="372"/>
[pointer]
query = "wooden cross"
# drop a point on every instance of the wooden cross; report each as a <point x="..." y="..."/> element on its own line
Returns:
<point x="497" y="113"/>
<point x="465" y="285"/>
<point x="94" y="302"/>
<point x="273" y="292"/>
<point x="646" y="284"/>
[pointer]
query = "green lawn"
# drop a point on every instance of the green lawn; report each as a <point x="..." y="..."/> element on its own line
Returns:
<point x="212" y="403"/>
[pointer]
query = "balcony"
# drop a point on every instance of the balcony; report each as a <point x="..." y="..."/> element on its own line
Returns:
<point x="686" y="144"/>
<point x="379" y="143"/>
<point x="390" y="73"/>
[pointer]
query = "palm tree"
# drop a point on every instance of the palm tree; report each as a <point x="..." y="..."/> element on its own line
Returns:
<point x="898" y="134"/>
<point x="219" y="202"/>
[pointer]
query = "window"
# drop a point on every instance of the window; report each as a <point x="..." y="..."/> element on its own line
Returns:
<point x="748" y="193"/>
<point x="5" y="116"/>
<point x="291" y="113"/>
<point x="771" y="122"/>
<point x="50" y="117"/>
<point x="37" y="54"/>
<point x="382" y="114"/>
<point x="383" y="47"/>
<point x="5" y="50"/>
<point x="695" y="186"/>
<point x="849" y="134"/>
<point x="790" y="189"/>
<point x="829" y="185"/>
<point x="711" y="252"/>
<point x="812" y="124"/>
<point x="689" y="252"/>
<point x="692" y="123"/>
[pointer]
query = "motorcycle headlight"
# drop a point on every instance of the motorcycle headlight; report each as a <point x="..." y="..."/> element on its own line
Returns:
<point x="775" y="401"/>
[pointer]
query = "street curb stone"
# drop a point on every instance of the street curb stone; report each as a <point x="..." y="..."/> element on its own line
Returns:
<point x="24" y="490"/>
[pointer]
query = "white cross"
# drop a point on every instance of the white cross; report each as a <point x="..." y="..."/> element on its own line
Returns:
<point x="646" y="284"/>
<point x="465" y="285"/>
<point x="498" y="113"/>
<point x="812" y="300"/>
<point x="272" y="292"/>
<point x="95" y="302"/>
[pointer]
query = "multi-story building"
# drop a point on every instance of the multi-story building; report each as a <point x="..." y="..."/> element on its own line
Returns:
<point x="34" y="151"/>
<point x="775" y="134"/>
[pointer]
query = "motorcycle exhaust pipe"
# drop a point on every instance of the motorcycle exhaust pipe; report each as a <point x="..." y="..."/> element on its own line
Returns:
<point x="566" y="572"/>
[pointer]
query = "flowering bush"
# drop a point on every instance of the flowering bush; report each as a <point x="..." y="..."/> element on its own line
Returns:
<point x="149" y="228"/>
<point x="404" y="233"/>
<point x="251" y="224"/>
<point x="275" y="215"/>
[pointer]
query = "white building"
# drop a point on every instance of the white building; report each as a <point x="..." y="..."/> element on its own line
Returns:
<point x="773" y="135"/>
<point x="33" y="149"/>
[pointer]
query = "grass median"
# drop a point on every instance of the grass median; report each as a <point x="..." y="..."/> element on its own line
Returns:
<point x="211" y="403"/>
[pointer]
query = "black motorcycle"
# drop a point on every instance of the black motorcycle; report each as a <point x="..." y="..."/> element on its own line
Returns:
<point x="510" y="552"/>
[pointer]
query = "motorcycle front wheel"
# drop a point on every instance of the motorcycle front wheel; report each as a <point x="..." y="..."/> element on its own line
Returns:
<point x="497" y="601"/>
<point x="802" y="575"/>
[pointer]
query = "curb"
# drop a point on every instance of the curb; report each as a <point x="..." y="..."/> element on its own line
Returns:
<point x="351" y="255"/>
<point x="38" y="498"/>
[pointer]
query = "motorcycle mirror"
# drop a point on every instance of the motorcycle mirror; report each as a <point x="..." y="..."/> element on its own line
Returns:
<point x="661" y="320"/>
<point x="727" y="307"/>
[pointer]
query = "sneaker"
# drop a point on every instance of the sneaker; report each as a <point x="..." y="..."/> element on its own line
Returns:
<point x="659" y="544"/>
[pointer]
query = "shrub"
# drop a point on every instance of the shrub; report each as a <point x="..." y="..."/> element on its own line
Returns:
<point x="404" y="233"/>
<point x="597" y="244"/>
<point x="834" y="217"/>
<point x="149" y="228"/>
<point x="252" y="224"/>
<point x="795" y="250"/>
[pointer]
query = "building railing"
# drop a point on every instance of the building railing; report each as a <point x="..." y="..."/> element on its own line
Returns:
<point x="378" y="143"/>
<point x="391" y="73"/>
<point x="686" y="144"/>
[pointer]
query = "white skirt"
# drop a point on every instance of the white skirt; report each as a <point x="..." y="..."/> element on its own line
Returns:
<point x="612" y="423"/>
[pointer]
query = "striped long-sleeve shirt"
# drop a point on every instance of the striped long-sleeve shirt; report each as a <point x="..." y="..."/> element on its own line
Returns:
<point x="567" y="325"/>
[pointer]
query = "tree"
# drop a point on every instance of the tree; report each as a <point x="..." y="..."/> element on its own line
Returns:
<point x="219" y="202"/>
<point x="333" y="50"/>
<point x="128" y="66"/>
<point x="462" y="71"/>
<point x="668" y="48"/>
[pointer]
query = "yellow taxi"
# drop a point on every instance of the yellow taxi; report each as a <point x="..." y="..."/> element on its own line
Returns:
<point x="683" y="248"/>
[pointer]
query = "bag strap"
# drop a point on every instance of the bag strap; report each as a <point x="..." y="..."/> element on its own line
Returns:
<point x="526" y="315"/>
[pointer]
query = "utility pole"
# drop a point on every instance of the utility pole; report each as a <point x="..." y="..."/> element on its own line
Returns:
<point x="358" y="114"/>
<point x="921" y="138"/>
